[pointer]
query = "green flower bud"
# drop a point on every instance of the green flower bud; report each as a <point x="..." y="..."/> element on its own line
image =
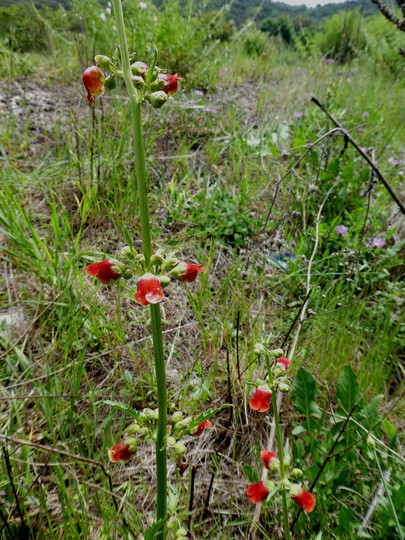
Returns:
<point x="103" y="62"/>
<point x="370" y="441"/>
<point x="295" y="489"/>
<point x="176" y="417"/>
<point x="278" y="370"/>
<point x="274" y="464"/>
<point x="259" y="348"/>
<point x="164" y="281"/>
<point x="132" y="443"/>
<point x="270" y="485"/>
<point x="157" y="99"/>
<point x="111" y="81"/>
<point x="171" y="442"/>
<point x="287" y="460"/>
<point x="157" y="85"/>
<point x="133" y="428"/>
<point x="296" y="473"/>
<point x="179" y="449"/>
<point x="277" y="353"/>
<point x="128" y="252"/>
<point x="127" y="274"/>
<point x="143" y="433"/>
<point x="181" y="533"/>
<point x="283" y="387"/>
<point x="137" y="81"/>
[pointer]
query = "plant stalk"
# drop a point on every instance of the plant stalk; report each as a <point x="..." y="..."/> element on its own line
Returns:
<point x="135" y="104"/>
<point x="280" y="451"/>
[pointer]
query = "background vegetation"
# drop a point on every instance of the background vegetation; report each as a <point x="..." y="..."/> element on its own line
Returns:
<point x="228" y="188"/>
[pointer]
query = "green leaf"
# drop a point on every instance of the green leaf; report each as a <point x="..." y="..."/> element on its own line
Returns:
<point x="154" y="530"/>
<point x="123" y="408"/>
<point x="251" y="474"/>
<point x="347" y="388"/>
<point x="390" y="431"/>
<point x="304" y="393"/>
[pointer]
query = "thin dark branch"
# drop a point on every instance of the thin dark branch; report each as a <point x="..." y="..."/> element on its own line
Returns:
<point x="362" y="153"/>
<point x="330" y="454"/>
<point x="25" y="530"/>
<point x="399" y="23"/>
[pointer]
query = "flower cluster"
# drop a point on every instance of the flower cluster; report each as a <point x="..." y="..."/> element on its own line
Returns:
<point x="277" y="366"/>
<point x="152" y="84"/>
<point x="260" y="401"/>
<point x="145" y="428"/>
<point x="149" y="287"/>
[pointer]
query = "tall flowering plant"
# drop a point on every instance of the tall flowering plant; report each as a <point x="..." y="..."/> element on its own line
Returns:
<point x="152" y="272"/>
<point x="281" y="478"/>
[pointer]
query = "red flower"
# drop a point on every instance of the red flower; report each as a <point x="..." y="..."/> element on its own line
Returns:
<point x="200" y="428"/>
<point x="284" y="362"/>
<point x="266" y="456"/>
<point x="186" y="271"/>
<point x="306" y="500"/>
<point x="261" y="400"/>
<point x="120" y="452"/>
<point x="149" y="290"/>
<point x="105" y="271"/>
<point x="171" y="84"/>
<point x="93" y="80"/>
<point x="257" y="492"/>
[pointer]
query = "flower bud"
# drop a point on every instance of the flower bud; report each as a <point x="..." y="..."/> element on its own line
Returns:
<point x="111" y="82"/>
<point x="157" y="99"/>
<point x="140" y="258"/>
<point x="176" y="417"/>
<point x="295" y="489"/>
<point x="276" y="353"/>
<point x="133" y="428"/>
<point x="296" y="473"/>
<point x="278" y="370"/>
<point x="287" y="460"/>
<point x="139" y="68"/>
<point x="181" y="533"/>
<point x="143" y="433"/>
<point x="370" y="441"/>
<point x="137" y="81"/>
<point x="179" y="449"/>
<point x="164" y="281"/>
<point x="259" y="349"/>
<point x="127" y="252"/>
<point x="283" y="387"/>
<point x="286" y="483"/>
<point x="158" y="257"/>
<point x="171" y="442"/>
<point x="103" y="62"/>
<point x="127" y="274"/>
<point x="171" y="523"/>
<point x="274" y="465"/>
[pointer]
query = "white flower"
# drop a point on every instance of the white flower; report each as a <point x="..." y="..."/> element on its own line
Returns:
<point x="143" y="5"/>
<point x="108" y="10"/>
<point x="103" y="17"/>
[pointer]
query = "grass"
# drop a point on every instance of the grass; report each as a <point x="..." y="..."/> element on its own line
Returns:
<point x="67" y="194"/>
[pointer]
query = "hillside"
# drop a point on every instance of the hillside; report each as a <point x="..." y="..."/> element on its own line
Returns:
<point x="242" y="10"/>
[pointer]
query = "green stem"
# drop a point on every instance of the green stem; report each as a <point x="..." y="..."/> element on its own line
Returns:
<point x="394" y="513"/>
<point x="280" y="451"/>
<point x="135" y="103"/>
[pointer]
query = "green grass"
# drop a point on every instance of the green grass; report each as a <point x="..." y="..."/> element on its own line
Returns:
<point x="66" y="196"/>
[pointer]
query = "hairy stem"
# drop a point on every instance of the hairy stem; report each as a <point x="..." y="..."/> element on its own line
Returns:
<point x="135" y="103"/>
<point x="280" y="451"/>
